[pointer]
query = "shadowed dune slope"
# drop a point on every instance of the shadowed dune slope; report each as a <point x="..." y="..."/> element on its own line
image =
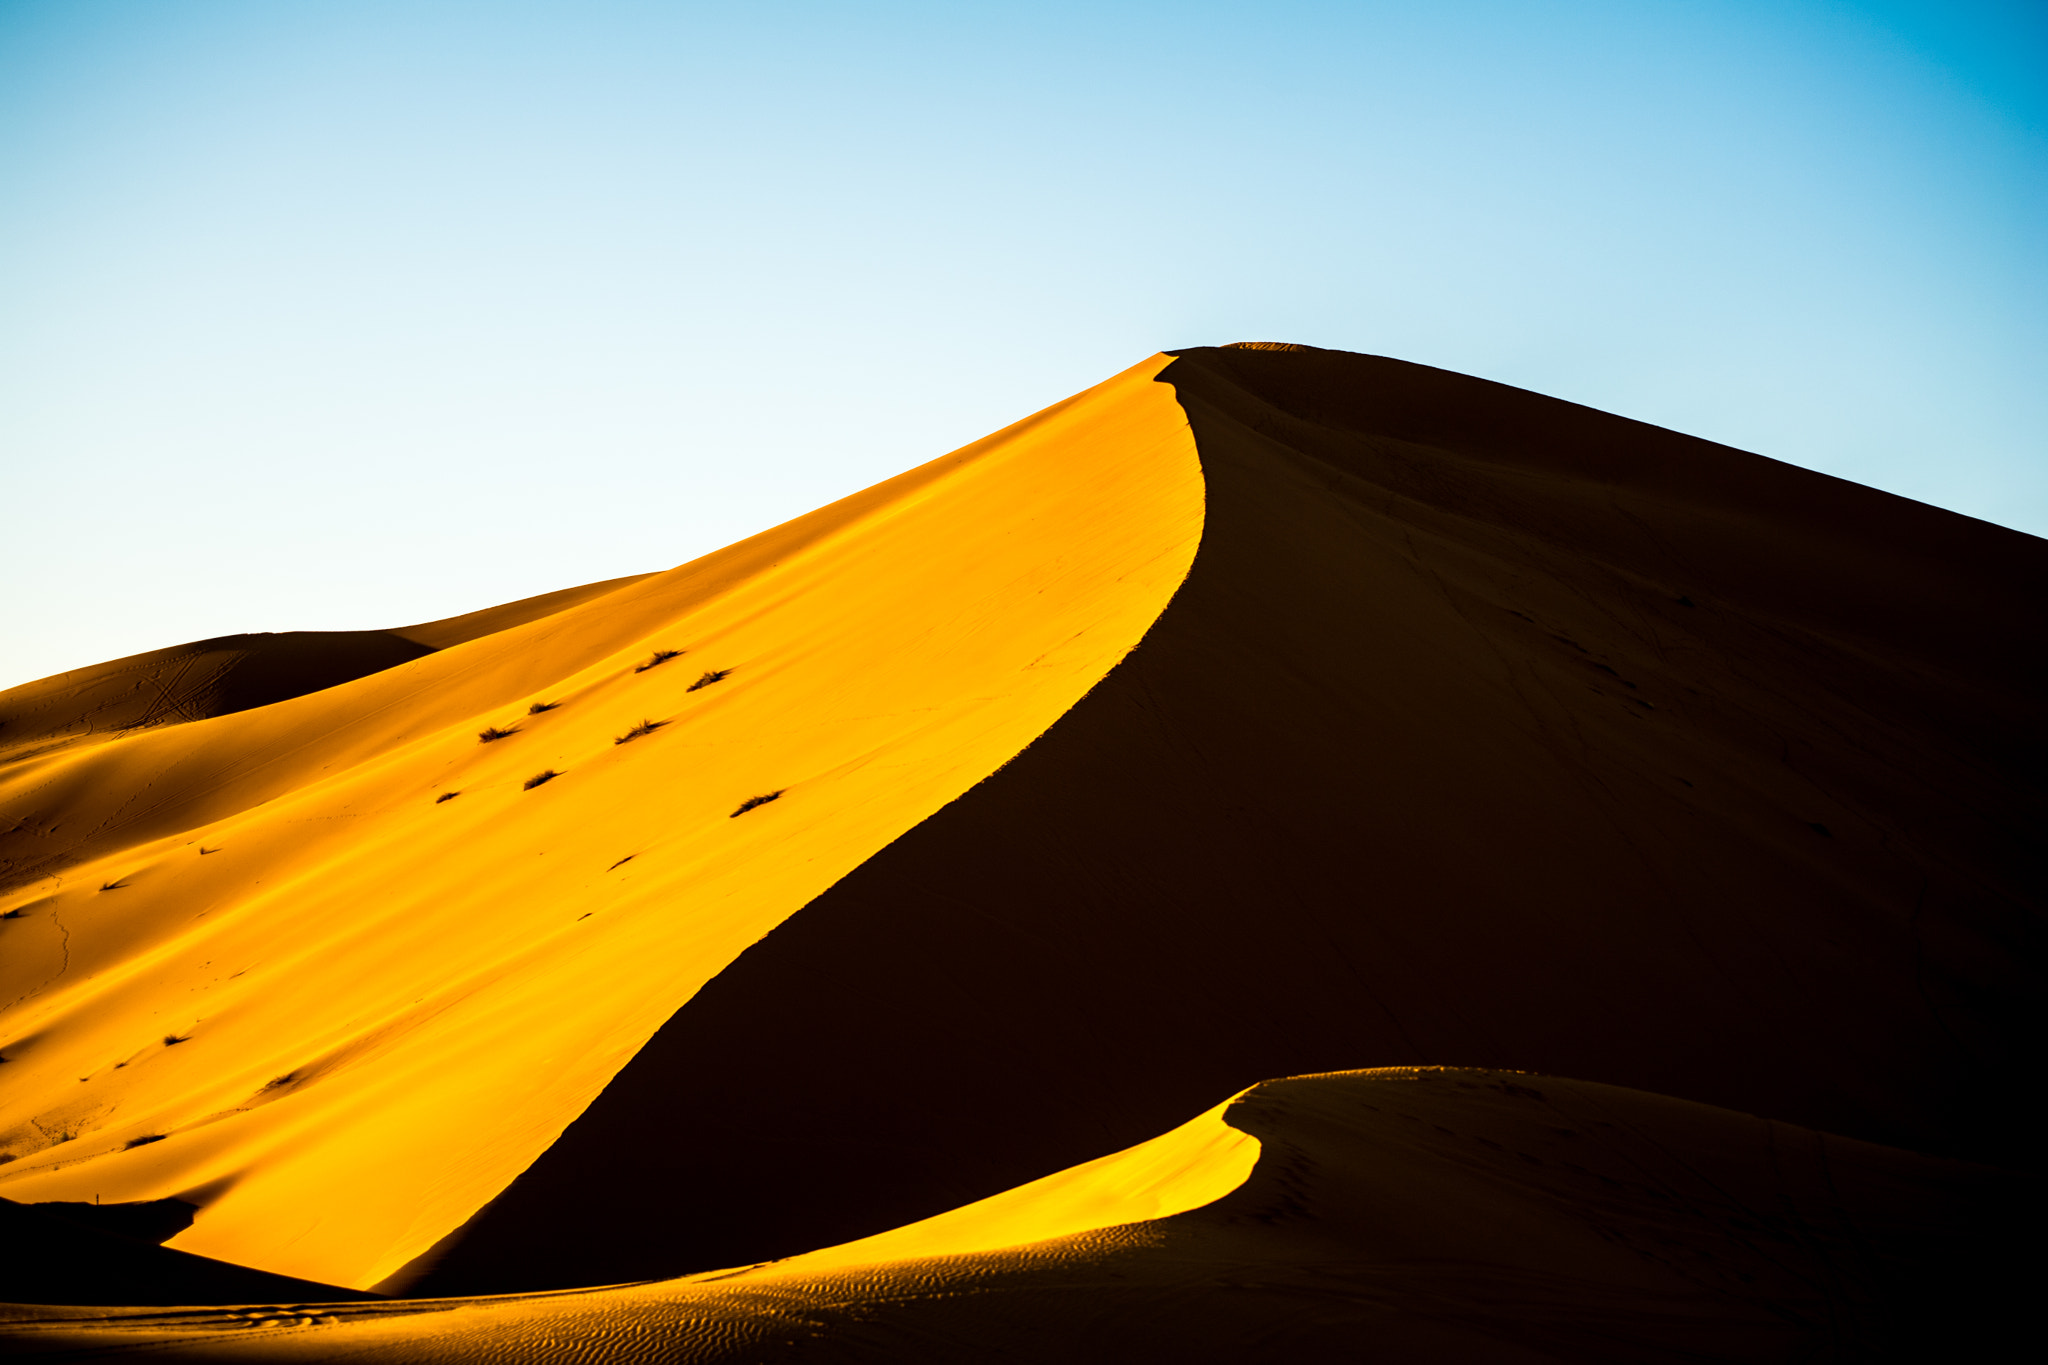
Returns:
<point x="1394" y="1215"/>
<point x="46" y="1259"/>
<point x="1487" y="729"/>
<point x="334" y="970"/>
<point x="237" y="673"/>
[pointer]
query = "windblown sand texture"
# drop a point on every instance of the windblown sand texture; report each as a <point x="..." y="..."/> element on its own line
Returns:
<point x="1263" y="711"/>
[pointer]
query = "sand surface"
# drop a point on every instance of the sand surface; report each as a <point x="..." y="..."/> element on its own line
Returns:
<point x="1487" y="729"/>
<point x="1395" y="1215"/>
<point x="234" y="673"/>
<point x="1260" y="712"/>
<point x="277" y="976"/>
<point x="56" y="1254"/>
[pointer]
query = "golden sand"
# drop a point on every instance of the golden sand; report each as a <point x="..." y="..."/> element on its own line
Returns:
<point x="353" y="1011"/>
<point x="749" y="941"/>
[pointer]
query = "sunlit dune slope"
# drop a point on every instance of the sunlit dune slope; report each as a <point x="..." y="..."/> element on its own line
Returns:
<point x="233" y="673"/>
<point x="335" y="970"/>
<point x="1394" y="1215"/>
<point x="1487" y="729"/>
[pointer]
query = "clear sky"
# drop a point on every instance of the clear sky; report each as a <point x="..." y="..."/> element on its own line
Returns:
<point x="336" y="315"/>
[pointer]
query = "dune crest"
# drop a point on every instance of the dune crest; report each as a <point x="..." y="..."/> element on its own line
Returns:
<point x="1487" y="729"/>
<point x="1400" y="1215"/>
<point x="1193" y="1165"/>
<point x="714" y="967"/>
<point x="237" y="673"/>
<point x="338" y="968"/>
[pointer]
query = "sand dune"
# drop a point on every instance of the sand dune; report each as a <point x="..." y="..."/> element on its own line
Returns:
<point x="1486" y="729"/>
<point x="1391" y="1215"/>
<point x="236" y="673"/>
<point x="280" y="977"/>
<point x="1260" y="712"/>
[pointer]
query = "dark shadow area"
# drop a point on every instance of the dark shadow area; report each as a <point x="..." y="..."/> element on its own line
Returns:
<point x="155" y="1221"/>
<point x="1373" y="791"/>
<point x="107" y="1254"/>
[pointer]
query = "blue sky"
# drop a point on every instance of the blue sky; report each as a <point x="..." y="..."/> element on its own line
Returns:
<point x="339" y="315"/>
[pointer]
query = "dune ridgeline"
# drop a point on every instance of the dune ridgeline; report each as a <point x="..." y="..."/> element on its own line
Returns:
<point x="1583" y="881"/>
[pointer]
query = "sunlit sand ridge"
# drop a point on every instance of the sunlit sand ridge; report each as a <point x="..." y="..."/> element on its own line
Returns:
<point x="1400" y="1215"/>
<point x="1482" y="729"/>
<point x="340" y="1012"/>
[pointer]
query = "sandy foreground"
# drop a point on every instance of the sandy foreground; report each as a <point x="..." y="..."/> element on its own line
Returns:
<point x="1260" y="712"/>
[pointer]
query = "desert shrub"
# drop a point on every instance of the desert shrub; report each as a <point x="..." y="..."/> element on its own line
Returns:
<point x="539" y="778"/>
<point x="661" y="656"/>
<point x="492" y="732"/>
<point x="538" y="707"/>
<point x="752" y="802"/>
<point x="717" y="675"/>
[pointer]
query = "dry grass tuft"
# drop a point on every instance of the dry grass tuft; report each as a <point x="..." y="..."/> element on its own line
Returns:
<point x="717" y="675"/>
<point x="541" y="706"/>
<point x="645" y="727"/>
<point x="446" y="796"/>
<point x="492" y="732"/>
<point x="754" y="801"/>
<point x="540" y="778"/>
<point x="661" y="656"/>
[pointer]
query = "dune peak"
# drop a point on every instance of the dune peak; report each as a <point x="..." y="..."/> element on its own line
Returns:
<point x="1620" y="842"/>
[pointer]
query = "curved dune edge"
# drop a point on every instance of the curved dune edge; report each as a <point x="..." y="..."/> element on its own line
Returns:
<point x="1195" y="1164"/>
<point x="1412" y="1214"/>
<point x="285" y="982"/>
<point x="1485" y="727"/>
<point x="234" y="673"/>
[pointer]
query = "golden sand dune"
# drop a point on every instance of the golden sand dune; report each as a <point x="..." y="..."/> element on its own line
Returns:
<point x="1486" y="729"/>
<point x="336" y="971"/>
<point x="236" y="673"/>
<point x="854" y="874"/>
<point x="1404" y="1215"/>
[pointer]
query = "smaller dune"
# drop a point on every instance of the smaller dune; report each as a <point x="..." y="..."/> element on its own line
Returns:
<point x="233" y="673"/>
<point x="1401" y="1215"/>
